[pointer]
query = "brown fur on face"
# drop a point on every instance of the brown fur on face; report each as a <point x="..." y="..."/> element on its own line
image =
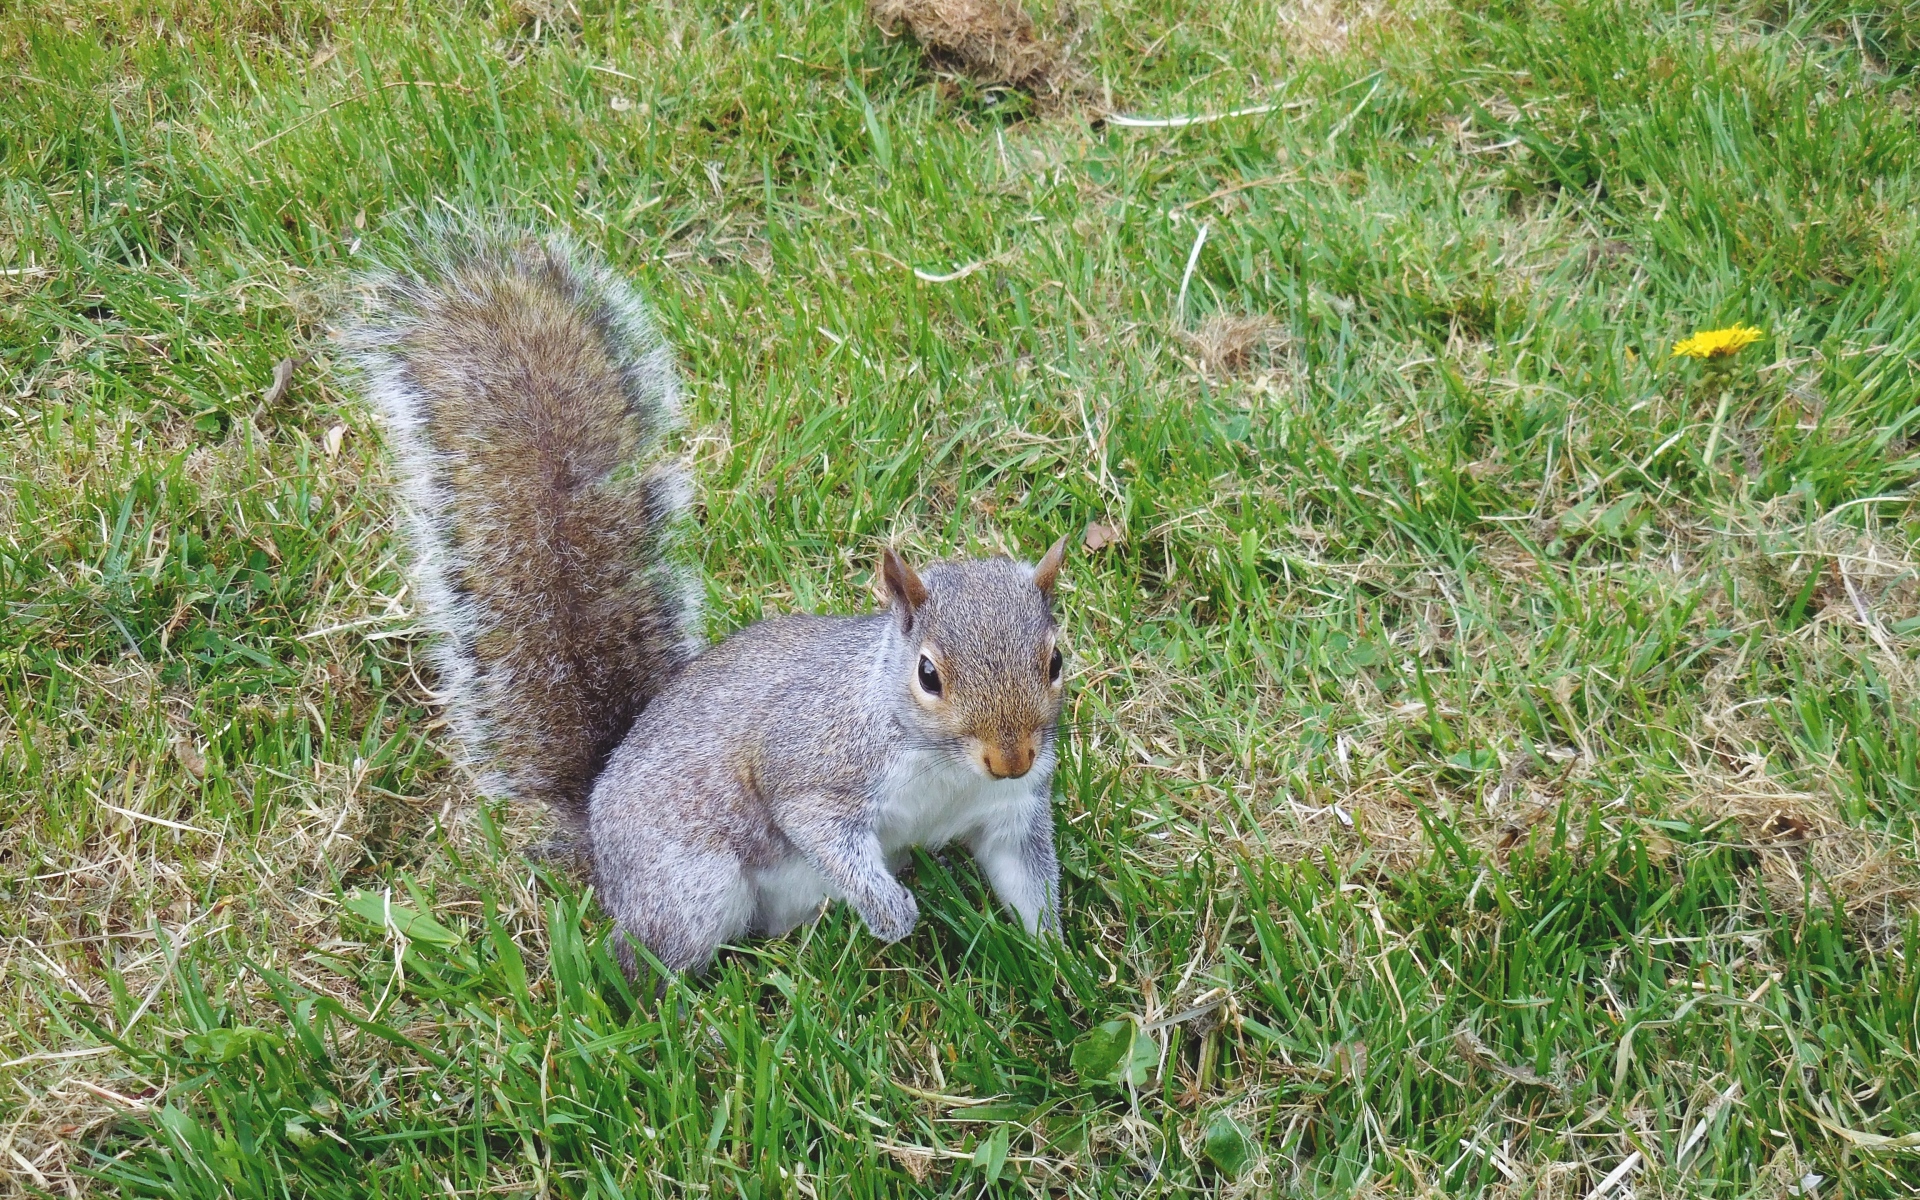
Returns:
<point x="986" y="628"/>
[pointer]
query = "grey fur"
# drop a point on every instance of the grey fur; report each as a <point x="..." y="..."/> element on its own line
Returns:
<point x="796" y="762"/>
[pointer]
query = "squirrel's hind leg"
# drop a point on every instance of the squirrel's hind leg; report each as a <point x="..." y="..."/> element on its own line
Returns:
<point x="682" y="904"/>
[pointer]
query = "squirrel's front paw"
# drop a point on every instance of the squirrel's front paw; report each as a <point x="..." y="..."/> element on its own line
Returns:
<point x="895" y="916"/>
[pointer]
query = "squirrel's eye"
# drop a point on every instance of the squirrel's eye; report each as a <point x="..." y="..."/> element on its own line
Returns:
<point x="1053" y="667"/>
<point x="929" y="677"/>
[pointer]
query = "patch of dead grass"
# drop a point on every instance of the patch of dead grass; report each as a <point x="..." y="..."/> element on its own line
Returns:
<point x="1229" y="344"/>
<point x="993" y="42"/>
<point x="1328" y="28"/>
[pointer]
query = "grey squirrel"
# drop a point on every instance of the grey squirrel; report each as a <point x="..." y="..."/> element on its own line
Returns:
<point x="721" y="791"/>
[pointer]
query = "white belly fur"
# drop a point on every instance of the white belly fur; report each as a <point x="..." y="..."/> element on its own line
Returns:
<point x="786" y="894"/>
<point x="931" y="800"/>
<point x="926" y="800"/>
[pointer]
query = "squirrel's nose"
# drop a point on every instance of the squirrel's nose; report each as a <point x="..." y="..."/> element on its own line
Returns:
<point x="1010" y="759"/>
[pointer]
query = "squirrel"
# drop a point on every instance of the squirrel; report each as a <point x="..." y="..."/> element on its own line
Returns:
<point x="721" y="791"/>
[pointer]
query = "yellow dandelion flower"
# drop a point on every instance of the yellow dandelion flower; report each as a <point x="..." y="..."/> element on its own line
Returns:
<point x="1717" y="343"/>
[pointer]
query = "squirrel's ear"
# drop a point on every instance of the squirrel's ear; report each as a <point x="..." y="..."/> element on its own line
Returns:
<point x="903" y="586"/>
<point x="1046" y="572"/>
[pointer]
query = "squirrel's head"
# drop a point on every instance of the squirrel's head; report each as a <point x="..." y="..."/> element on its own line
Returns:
<point x="982" y="666"/>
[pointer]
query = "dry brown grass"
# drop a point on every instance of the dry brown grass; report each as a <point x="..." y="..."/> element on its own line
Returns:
<point x="1230" y="344"/>
<point x="1328" y="28"/>
<point x="993" y="42"/>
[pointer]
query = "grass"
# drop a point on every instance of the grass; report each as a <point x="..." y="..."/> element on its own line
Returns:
<point x="1501" y="731"/>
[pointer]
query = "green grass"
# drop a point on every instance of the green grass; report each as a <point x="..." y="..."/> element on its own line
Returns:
<point x="1514" y="724"/>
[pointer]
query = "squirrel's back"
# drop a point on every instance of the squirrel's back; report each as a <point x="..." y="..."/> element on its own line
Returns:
<point x="521" y="385"/>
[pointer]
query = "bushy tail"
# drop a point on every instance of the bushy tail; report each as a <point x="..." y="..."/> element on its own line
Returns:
<point x="522" y="386"/>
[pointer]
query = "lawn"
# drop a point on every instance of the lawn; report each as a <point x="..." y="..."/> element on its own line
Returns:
<point x="1493" y="764"/>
